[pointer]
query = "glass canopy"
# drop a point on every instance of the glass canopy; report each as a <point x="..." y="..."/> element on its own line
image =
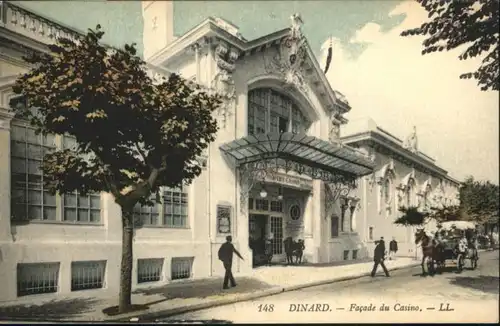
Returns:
<point x="304" y="154"/>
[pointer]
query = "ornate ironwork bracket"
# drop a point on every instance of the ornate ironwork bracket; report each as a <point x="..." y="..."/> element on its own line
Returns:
<point x="336" y="190"/>
<point x="251" y="174"/>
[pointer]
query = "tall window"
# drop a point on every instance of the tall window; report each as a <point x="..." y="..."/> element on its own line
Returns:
<point x="271" y="111"/>
<point x="334" y="226"/>
<point x="343" y="210"/>
<point x="172" y="207"/>
<point x="277" y="231"/>
<point x="387" y="190"/>
<point x="410" y="193"/>
<point x="30" y="201"/>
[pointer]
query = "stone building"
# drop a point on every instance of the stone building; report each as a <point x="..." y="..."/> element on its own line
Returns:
<point x="278" y="168"/>
<point x="403" y="177"/>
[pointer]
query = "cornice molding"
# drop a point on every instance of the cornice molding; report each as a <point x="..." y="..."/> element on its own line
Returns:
<point x="382" y="142"/>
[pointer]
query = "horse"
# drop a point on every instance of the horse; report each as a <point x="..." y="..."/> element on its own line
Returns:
<point x="294" y="248"/>
<point x="431" y="250"/>
<point x="298" y="250"/>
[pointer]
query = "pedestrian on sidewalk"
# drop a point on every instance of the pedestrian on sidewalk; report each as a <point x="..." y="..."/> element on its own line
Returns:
<point x="226" y="256"/>
<point x="393" y="248"/>
<point x="269" y="251"/>
<point x="378" y="258"/>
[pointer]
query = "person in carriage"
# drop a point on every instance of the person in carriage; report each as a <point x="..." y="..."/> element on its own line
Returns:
<point x="463" y="244"/>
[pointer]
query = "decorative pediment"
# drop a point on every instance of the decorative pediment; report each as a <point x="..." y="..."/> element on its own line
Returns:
<point x="426" y="186"/>
<point x="290" y="57"/>
<point x="408" y="180"/>
<point x="386" y="171"/>
<point x="6" y="93"/>
<point x="226" y="57"/>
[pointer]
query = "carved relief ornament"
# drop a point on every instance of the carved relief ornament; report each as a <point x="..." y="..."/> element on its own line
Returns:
<point x="288" y="60"/>
<point x="225" y="58"/>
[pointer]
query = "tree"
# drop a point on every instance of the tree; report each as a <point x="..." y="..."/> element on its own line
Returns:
<point x="480" y="202"/>
<point x="414" y="216"/>
<point x="472" y="23"/>
<point x="134" y="136"/>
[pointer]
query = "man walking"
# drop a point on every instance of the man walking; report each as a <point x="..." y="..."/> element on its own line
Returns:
<point x="226" y="256"/>
<point x="378" y="258"/>
<point x="393" y="248"/>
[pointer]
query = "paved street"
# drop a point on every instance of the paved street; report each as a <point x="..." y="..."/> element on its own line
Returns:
<point x="471" y="296"/>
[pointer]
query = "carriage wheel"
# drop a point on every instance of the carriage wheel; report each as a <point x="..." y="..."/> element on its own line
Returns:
<point x="460" y="262"/>
<point x="431" y="270"/>
<point x="474" y="261"/>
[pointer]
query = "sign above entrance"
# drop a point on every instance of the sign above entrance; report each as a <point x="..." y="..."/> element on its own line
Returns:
<point x="289" y="181"/>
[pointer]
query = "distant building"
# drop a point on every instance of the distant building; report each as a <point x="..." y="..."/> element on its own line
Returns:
<point x="278" y="168"/>
<point x="403" y="177"/>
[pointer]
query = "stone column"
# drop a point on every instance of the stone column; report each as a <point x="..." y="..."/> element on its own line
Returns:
<point x="5" y="118"/>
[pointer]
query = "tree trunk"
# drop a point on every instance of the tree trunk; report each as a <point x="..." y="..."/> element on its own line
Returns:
<point x="126" y="264"/>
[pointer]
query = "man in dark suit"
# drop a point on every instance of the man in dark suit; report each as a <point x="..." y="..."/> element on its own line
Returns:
<point x="226" y="256"/>
<point x="393" y="248"/>
<point x="378" y="258"/>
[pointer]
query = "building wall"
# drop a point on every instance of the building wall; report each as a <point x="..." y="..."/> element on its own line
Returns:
<point x="64" y="243"/>
<point x="380" y="216"/>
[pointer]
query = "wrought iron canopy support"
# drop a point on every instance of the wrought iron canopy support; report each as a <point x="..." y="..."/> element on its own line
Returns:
<point x="336" y="190"/>
<point x="251" y="174"/>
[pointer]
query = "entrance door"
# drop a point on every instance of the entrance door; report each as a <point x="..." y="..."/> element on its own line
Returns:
<point x="277" y="231"/>
<point x="258" y="235"/>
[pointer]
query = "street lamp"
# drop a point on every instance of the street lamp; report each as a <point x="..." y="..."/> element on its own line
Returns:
<point x="263" y="193"/>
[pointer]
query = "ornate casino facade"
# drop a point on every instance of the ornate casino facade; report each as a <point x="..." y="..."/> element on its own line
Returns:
<point x="278" y="168"/>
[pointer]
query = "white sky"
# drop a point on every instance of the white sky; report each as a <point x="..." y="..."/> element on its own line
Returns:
<point x="391" y="82"/>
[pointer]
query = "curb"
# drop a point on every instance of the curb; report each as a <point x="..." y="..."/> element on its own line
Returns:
<point x="246" y="297"/>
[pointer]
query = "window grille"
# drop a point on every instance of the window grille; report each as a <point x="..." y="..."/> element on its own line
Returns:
<point x="78" y="208"/>
<point x="181" y="268"/>
<point x="29" y="199"/>
<point x="277" y="231"/>
<point x="271" y="111"/>
<point x="346" y="254"/>
<point x="175" y="205"/>
<point x="261" y="204"/>
<point x="86" y="275"/>
<point x="37" y="278"/>
<point x="147" y="215"/>
<point x="149" y="270"/>
<point x="276" y="206"/>
<point x="355" y="254"/>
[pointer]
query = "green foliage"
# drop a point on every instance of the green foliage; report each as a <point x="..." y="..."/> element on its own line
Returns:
<point x="480" y="201"/>
<point x="411" y="216"/>
<point x="133" y="136"/>
<point x="445" y="213"/>
<point x="474" y="24"/>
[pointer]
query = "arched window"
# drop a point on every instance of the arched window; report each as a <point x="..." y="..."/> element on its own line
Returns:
<point x="410" y="193"/>
<point x="271" y="111"/>
<point x="387" y="190"/>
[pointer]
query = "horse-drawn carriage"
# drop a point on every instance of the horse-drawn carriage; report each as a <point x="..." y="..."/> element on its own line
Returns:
<point x="459" y="242"/>
<point x="454" y="241"/>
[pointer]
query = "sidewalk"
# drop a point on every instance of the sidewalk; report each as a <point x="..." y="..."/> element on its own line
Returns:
<point x="177" y="298"/>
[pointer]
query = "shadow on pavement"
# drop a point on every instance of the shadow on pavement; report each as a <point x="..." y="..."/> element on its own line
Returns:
<point x="305" y="264"/>
<point x="487" y="284"/>
<point x="203" y="289"/>
<point x="52" y="310"/>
